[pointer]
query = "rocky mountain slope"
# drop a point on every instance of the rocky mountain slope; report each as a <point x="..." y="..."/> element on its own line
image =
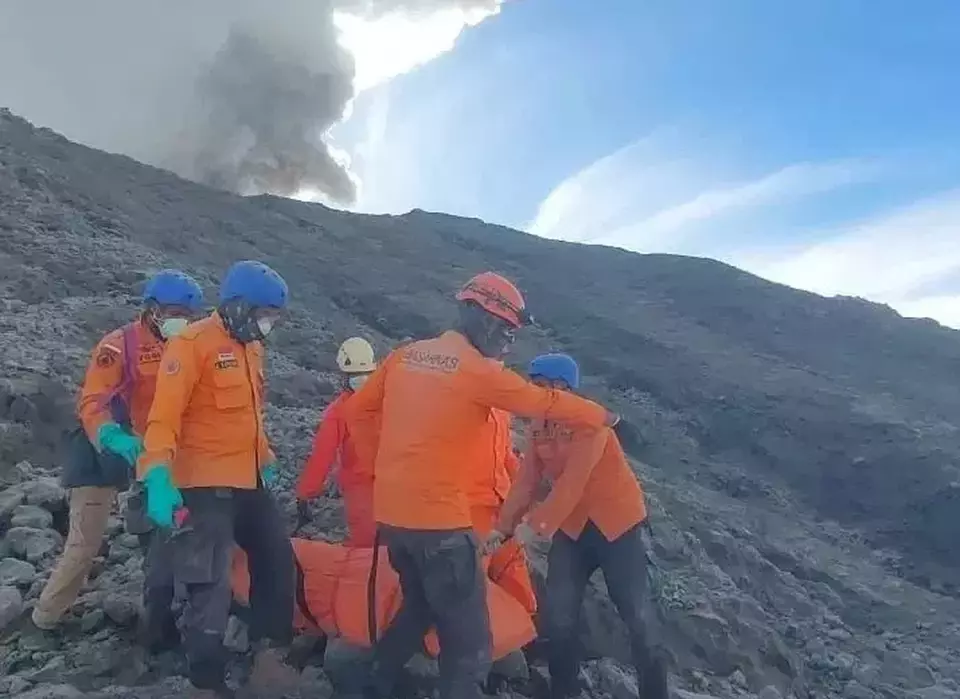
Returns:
<point x="799" y="452"/>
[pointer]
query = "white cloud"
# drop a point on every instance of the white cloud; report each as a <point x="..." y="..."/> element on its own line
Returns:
<point x="643" y="199"/>
<point x="909" y="258"/>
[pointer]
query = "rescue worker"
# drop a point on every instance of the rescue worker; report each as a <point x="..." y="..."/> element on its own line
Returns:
<point x="332" y="443"/>
<point x="594" y="513"/>
<point x="421" y="417"/>
<point x="112" y="409"/>
<point x="496" y="473"/>
<point x="206" y="451"/>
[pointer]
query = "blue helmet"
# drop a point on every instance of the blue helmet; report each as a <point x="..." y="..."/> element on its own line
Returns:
<point x="171" y="287"/>
<point x="254" y="283"/>
<point x="556" y="367"/>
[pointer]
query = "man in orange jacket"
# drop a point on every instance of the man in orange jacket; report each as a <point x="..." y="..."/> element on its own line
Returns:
<point x="594" y="514"/>
<point x="206" y="459"/>
<point x="114" y="401"/>
<point x="332" y="443"/>
<point x="420" y="418"/>
<point x="507" y="565"/>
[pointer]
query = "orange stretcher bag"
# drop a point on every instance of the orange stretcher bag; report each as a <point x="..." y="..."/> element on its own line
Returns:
<point x="334" y="595"/>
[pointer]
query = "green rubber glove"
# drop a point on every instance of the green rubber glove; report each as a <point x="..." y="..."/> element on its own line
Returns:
<point x="163" y="497"/>
<point x="113" y="438"/>
<point x="271" y="475"/>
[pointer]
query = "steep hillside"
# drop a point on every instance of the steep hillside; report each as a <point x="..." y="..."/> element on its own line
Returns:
<point x="799" y="451"/>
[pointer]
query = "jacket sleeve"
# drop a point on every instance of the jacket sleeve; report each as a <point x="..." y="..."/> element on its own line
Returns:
<point x="179" y="373"/>
<point x="326" y="447"/>
<point x="497" y="387"/>
<point x="362" y="415"/>
<point x="104" y="374"/>
<point x="521" y="492"/>
<point x="265" y="451"/>
<point x="585" y="453"/>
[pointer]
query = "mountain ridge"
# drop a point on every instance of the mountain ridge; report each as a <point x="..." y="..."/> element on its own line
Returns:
<point x="798" y="452"/>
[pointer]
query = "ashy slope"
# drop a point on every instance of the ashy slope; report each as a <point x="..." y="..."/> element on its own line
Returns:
<point x="801" y="448"/>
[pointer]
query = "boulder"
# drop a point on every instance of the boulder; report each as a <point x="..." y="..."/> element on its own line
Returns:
<point x="11" y="605"/>
<point x="13" y="571"/>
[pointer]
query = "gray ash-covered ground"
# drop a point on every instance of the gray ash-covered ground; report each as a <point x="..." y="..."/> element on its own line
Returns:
<point x="798" y="452"/>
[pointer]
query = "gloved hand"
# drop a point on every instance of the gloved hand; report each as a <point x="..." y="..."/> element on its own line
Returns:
<point x="113" y="438"/>
<point x="163" y="497"/>
<point x="524" y="534"/>
<point x="494" y="540"/>
<point x="270" y="475"/>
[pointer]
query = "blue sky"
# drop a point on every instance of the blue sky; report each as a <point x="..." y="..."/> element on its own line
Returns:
<point x="816" y="143"/>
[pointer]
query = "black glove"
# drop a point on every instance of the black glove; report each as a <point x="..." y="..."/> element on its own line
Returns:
<point x="303" y="512"/>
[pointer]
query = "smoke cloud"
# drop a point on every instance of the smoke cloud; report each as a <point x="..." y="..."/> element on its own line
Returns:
<point x="237" y="94"/>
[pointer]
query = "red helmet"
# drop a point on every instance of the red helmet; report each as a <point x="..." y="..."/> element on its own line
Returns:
<point x="496" y="296"/>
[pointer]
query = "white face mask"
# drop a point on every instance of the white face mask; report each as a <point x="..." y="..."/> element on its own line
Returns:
<point x="355" y="382"/>
<point x="171" y="327"/>
<point x="265" y="325"/>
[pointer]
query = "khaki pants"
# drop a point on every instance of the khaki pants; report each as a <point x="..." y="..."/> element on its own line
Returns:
<point x="89" y="511"/>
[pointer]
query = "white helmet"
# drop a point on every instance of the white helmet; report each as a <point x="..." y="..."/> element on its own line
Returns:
<point x="356" y="356"/>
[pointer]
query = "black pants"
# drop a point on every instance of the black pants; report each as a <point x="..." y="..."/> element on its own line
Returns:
<point x="202" y="556"/>
<point x="159" y="627"/>
<point x="443" y="584"/>
<point x="570" y="563"/>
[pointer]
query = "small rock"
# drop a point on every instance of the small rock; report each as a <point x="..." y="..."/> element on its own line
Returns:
<point x="11" y="605"/>
<point x="13" y="571"/>
<point x="122" y="611"/>
<point x="769" y="692"/>
<point x="31" y="516"/>
<point x="839" y="634"/>
<point x="20" y="473"/>
<point x="738" y="679"/>
<point x="615" y="680"/>
<point x="236" y="638"/>
<point x="46" y="493"/>
<point x="32" y="544"/>
<point x="129" y="541"/>
<point x="92" y="620"/>
<point x="10" y="500"/>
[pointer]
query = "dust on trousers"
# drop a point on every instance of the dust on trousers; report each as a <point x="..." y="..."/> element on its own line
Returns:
<point x="623" y="562"/>
<point x="442" y="580"/>
<point x="201" y="556"/>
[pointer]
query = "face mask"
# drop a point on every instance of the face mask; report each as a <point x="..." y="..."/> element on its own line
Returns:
<point x="171" y="327"/>
<point x="355" y="382"/>
<point x="265" y="326"/>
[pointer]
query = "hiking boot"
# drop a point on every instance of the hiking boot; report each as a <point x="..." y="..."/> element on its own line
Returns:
<point x="271" y="675"/>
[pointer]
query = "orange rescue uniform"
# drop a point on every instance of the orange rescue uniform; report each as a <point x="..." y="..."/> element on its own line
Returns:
<point x="422" y="416"/>
<point x="207" y="414"/>
<point x="333" y="443"/>
<point x="591" y="482"/>
<point x="105" y="375"/>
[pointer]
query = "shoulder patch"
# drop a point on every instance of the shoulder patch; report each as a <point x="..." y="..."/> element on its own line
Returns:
<point x="171" y="367"/>
<point x="107" y="356"/>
